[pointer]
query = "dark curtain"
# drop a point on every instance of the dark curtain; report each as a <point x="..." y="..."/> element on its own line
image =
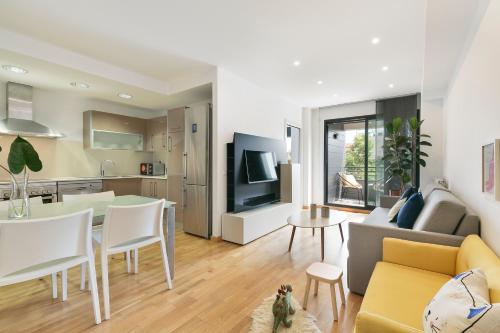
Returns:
<point x="405" y="107"/>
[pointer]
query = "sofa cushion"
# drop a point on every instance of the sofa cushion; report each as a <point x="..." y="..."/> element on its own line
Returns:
<point x="410" y="211"/>
<point x="462" y="304"/>
<point x="401" y="293"/>
<point x="431" y="187"/>
<point x="379" y="217"/>
<point x="442" y="213"/>
<point x="392" y="215"/>
<point x="474" y="253"/>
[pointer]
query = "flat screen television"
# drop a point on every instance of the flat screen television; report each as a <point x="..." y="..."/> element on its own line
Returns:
<point x="260" y="166"/>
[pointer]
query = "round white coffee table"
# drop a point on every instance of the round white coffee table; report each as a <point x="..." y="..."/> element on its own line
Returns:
<point x="304" y="220"/>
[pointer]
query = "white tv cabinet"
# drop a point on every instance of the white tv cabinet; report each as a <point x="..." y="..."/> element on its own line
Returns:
<point x="244" y="227"/>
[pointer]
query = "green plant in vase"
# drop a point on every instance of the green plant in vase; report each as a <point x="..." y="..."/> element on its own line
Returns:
<point x="22" y="155"/>
<point x="396" y="155"/>
<point x="402" y="151"/>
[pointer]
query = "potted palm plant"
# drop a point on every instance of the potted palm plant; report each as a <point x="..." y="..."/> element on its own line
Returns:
<point x="22" y="155"/>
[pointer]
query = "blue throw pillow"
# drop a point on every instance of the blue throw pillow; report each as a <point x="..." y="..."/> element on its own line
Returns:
<point x="406" y="194"/>
<point x="409" y="192"/>
<point x="410" y="211"/>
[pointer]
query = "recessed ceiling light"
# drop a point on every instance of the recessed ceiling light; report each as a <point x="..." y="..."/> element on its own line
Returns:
<point x="125" y="95"/>
<point x="15" y="69"/>
<point x="375" y="40"/>
<point x="335" y="95"/>
<point x="391" y="85"/>
<point x="296" y="63"/>
<point x="80" y="85"/>
<point x="385" y="68"/>
<point x="319" y="82"/>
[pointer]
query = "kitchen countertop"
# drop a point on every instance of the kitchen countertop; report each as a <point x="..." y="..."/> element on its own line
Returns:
<point x="68" y="179"/>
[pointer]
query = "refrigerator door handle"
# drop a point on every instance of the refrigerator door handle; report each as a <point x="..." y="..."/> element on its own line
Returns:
<point x="169" y="143"/>
<point x="184" y="193"/>
<point x="185" y="165"/>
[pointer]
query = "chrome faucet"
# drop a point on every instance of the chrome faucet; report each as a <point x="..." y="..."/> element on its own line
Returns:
<point x="102" y="165"/>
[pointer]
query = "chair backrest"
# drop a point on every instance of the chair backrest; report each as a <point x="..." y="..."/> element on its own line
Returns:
<point x="26" y="243"/>
<point x="4" y="205"/>
<point x="349" y="180"/>
<point x="126" y="223"/>
<point x="474" y="253"/>
<point x="100" y="196"/>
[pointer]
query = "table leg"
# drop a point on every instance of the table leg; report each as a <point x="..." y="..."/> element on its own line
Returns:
<point x="341" y="233"/>
<point x="170" y="222"/>
<point x="322" y="244"/>
<point x="291" y="239"/>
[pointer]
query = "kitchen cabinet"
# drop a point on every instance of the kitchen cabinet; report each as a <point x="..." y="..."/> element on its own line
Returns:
<point x="123" y="186"/>
<point x="154" y="188"/>
<point x="175" y="120"/>
<point x="156" y="134"/>
<point x="102" y="130"/>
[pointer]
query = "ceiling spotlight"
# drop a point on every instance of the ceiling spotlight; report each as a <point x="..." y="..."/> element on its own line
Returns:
<point x="80" y="85"/>
<point x="375" y="40"/>
<point x="391" y="85"/>
<point x="385" y="68"/>
<point x="296" y="63"/>
<point x="125" y="95"/>
<point x="335" y="95"/>
<point x="15" y="69"/>
<point x="319" y="82"/>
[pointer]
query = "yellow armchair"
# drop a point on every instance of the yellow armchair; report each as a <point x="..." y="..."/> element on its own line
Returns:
<point x="411" y="273"/>
<point x="367" y="322"/>
<point x="430" y="257"/>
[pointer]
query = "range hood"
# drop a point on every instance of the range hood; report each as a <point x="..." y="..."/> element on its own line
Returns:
<point x="19" y="119"/>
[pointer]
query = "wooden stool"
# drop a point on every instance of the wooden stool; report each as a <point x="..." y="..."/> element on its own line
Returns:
<point x="325" y="273"/>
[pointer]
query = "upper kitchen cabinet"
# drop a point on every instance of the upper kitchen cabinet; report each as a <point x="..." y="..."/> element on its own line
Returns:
<point x="102" y="130"/>
<point x="176" y="120"/>
<point x="156" y="134"/>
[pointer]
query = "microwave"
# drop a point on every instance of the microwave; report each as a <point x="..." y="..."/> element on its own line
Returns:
<point x="152" y="169"/>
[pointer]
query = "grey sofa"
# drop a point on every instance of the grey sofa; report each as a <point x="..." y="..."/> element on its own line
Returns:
<point x="444" y="220"/>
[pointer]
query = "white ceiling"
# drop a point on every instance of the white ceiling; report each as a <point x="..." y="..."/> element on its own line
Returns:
<point x="257" y="40"/>
<point x="51" y="76"/>
<point x="450" y="28"/>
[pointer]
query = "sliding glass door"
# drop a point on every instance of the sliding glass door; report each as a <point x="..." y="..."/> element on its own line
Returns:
<point x="351" y="165"/>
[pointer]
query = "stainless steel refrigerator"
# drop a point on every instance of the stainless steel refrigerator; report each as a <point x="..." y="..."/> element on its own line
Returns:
<point x="197" y="161"/>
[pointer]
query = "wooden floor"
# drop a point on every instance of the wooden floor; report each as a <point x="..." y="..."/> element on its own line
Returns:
<point x="216" y="287"/>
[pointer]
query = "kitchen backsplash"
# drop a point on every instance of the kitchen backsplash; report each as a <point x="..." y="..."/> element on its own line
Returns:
<point x="67" y="158"/>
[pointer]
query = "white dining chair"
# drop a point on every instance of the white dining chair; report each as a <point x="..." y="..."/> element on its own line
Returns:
<point x="99" y="196"/>
<point x="127" y="228"/>
<point x="30" y="249"/>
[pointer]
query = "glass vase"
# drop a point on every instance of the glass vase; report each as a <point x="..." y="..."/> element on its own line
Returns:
<point x="19" y="203"/>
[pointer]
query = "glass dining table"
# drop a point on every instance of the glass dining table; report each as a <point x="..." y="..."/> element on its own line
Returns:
<point x="99" y="207"/>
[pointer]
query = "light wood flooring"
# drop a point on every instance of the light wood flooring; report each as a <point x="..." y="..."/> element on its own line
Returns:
<point x="216" y="287"/>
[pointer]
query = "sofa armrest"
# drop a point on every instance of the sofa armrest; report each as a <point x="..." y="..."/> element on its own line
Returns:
<point x="430" y="257"/>
<point x="367" y="322"/>
<point x="365" y="249"/>
<point x="387" y="201"/>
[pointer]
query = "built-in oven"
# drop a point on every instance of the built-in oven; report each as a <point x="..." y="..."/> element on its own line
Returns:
<point x="45" y="189"/>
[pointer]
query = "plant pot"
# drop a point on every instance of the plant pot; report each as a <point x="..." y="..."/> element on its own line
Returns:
<point x="19" y="203"/>
<point x="395" y="193"/>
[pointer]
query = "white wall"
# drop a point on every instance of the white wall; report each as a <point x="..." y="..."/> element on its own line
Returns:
<point x="241" y="106"/>
<point x="317" y="123"/>
<point x="472" y="119"/>
<point x="432" y="114"/>
<point x="66" y="156"/>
